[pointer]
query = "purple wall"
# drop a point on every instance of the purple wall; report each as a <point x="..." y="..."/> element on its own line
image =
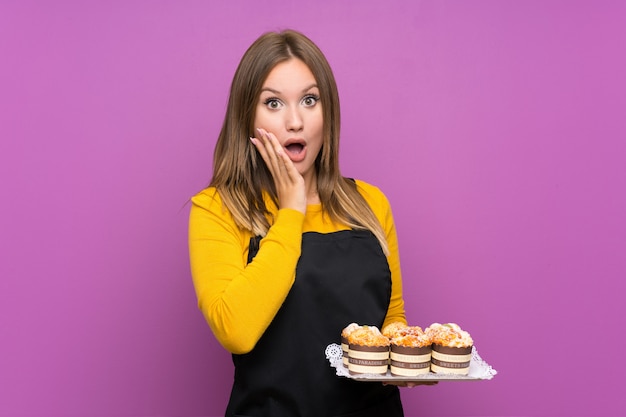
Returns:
<point x="496" y="128"/>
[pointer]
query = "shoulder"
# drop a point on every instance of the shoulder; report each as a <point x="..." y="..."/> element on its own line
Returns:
<point x="208" y="206"/>
<point x="371" y="193"/>
<point x="378" y="203"/>
<point x="375" y="198"/>
<point x="209" y="200"/>
<point x="207" y="197"/>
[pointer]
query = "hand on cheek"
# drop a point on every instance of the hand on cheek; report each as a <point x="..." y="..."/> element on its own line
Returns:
<point x="289" y="183"/>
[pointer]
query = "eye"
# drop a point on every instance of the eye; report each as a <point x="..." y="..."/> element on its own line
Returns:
<point x="310" y="100"/>
<point x="272" y="103"/>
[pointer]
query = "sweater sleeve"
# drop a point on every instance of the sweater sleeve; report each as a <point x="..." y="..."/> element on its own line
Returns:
<point x="382" y="209"/>
<point x="237" y="299"/>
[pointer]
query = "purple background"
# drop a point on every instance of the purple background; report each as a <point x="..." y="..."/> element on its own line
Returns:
<point x="496" y="128"/>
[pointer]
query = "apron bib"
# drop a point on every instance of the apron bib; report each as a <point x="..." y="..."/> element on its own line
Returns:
<point x="341" y="277"/>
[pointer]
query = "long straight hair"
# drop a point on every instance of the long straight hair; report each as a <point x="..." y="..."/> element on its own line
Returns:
<point x="241" y="176"/>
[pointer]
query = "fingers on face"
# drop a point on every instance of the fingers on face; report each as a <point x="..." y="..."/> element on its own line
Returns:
<point x="261" y="143"/>
<point x="271" y="150"/>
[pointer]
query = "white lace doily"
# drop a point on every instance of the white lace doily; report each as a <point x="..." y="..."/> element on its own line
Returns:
<point x="478" y="369"/>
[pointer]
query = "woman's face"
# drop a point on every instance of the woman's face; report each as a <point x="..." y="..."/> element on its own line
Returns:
<point x="289" y="107"/>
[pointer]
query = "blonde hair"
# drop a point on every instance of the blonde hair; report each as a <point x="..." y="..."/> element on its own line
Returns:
<point x="240" y="175"/>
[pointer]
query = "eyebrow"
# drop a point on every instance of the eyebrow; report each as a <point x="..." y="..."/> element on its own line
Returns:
<point x="271" y="90"/>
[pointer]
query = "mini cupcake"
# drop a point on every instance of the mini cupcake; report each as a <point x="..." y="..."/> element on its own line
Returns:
<point x="451" y="348"/>
<point x="345" y="347"/>
<point x="410" y="352"/>
<point x="369" y="351"/>
<point x="394" y="329"/>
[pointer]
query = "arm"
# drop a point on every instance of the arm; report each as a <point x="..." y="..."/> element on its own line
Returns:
<point x="382" y="209"/>
<point x="396" y="304"/>
<point x="239" y="301"/>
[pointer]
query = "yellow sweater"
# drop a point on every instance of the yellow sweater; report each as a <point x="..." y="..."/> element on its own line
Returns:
<point x="239" y="300"/>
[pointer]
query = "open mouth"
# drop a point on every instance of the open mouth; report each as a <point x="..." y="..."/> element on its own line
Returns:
<point x="294" y="148"/>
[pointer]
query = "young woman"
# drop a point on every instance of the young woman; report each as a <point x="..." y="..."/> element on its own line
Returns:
<point x="285" y="252"/>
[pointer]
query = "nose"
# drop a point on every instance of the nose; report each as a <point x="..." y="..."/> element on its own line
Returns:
<point x="294" y="121"/>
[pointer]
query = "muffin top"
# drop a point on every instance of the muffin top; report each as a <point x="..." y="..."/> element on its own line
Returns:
<point x="449" y="334"/>
<point x="411" y="336"/>
<point x="393" y="329"/>
<point x="367" y="336"/>
<point x="349" y="329"/>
